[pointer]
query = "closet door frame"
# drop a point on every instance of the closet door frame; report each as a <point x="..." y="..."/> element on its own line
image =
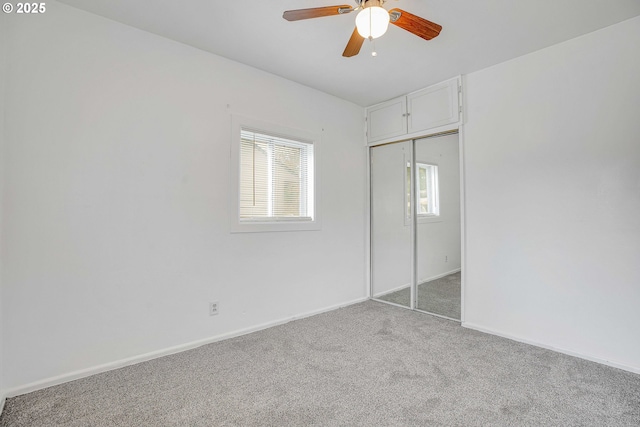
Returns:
<point x="414" y="223"/>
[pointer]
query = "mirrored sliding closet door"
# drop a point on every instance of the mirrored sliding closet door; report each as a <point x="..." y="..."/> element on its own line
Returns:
<point x="438" y="252"/>
<point x="416" y="225"/>
<point x="390" y="230"/>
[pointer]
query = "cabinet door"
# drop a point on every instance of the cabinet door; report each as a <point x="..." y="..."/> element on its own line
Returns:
<point x="434" y="106"/>
<point x="387" y="120"/>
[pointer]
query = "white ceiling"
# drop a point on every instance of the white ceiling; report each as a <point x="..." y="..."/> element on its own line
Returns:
<point x="476" y="34"/>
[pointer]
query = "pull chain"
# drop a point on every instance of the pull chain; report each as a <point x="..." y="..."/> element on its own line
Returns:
<point x="373" y="43"/>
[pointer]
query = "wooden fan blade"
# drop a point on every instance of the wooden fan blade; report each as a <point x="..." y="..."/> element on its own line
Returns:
<point x="316" y="12"/>
<point x="354" y="45"/>
<point x="414" y="24"/>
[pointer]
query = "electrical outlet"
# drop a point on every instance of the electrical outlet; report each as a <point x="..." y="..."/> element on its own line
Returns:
<point x="214" y="308"/>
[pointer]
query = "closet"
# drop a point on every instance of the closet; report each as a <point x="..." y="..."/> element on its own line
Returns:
<point x="415" y="202"/>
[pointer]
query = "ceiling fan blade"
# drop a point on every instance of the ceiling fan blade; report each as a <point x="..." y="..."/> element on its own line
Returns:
<point x="414" y="24"/>
<point x="316" y="12"/>
<point x="354" y="45"/>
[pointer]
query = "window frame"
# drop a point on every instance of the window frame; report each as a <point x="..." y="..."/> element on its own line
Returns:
<point x="239" y="225"/>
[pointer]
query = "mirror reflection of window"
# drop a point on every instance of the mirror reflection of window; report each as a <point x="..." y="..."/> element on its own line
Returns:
<point x="427" y="199"/>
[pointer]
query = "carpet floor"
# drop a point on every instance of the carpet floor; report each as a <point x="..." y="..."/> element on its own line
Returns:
<point x="369" y="364"/>
<point x="440" y="296"/>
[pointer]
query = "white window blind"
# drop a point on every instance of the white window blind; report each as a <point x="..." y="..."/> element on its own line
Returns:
<point x="276" y="178"/>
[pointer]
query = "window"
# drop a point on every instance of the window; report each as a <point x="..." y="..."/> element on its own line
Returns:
<point x="274" y="183"/>
<point x="427" y="199"/>
<point x="276" y="178"/>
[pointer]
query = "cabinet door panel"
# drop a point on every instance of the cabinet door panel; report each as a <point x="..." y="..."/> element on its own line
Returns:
<point x="387" y="120"/>
<point x="434" y="106"/>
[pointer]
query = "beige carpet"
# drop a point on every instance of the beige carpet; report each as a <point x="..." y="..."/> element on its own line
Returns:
<point x="370" y="364"/>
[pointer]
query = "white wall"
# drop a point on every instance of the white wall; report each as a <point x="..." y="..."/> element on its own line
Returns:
<point x="116" y="227"/>
<point x="552" y="154"/>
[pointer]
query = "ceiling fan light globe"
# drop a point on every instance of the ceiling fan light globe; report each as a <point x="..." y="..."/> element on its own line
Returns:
<point x="372" y="22"/>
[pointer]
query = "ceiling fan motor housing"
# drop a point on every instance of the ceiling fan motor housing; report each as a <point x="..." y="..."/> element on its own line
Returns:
<point x="370" y="3"/>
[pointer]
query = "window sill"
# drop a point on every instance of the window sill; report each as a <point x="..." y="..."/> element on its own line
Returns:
<point x="275" y="220"/>
<point x="260" y="226"/>
<point x="425" y="219"/>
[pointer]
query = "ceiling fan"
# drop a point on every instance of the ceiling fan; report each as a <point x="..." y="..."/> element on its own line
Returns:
<point x="371" y="22"/>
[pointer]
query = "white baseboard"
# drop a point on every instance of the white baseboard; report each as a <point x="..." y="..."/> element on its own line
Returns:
<point x="438" y="276"/>
<point x="3" y="399"/>
<point x="635" y="370"/>
<point x="420" y="282"/>
<point x="82" y="373"/>
<point x="390" y="291"/>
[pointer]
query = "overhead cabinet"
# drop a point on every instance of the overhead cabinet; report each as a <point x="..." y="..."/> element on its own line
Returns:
<point x="387" y="120"/>
<point x="415" y="113"/>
